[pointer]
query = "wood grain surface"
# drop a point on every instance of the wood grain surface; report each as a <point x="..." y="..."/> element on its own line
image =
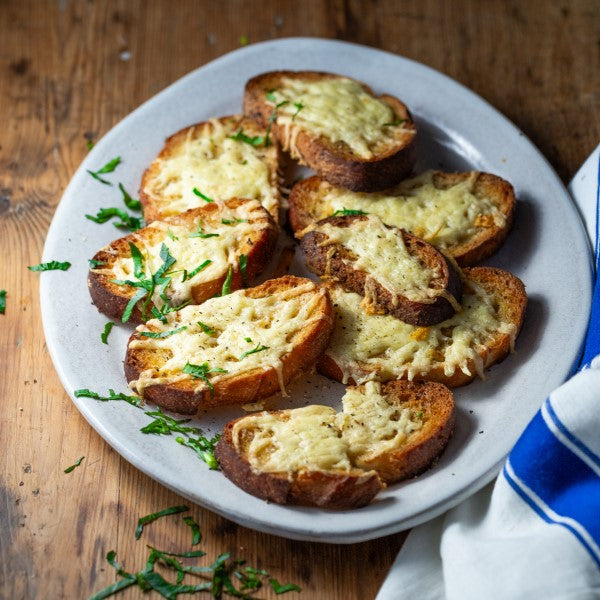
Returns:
<point x="70" y="70"/>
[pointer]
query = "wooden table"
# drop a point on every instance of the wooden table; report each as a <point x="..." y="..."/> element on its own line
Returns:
<point x="70" y="70"/>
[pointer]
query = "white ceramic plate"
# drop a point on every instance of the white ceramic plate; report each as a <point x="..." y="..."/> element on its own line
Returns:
<point x="458" y="131"/>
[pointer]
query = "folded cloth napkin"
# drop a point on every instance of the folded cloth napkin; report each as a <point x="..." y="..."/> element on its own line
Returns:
<point x="534" y="532"/>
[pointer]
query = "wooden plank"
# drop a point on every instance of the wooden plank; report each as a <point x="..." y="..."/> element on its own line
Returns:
<point x="67" y="68"/>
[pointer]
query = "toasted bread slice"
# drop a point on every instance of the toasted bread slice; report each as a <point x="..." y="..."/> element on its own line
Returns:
<point x="205" y="243"/>
<point x="453" y="352"/>
<point x="335" y="125"/>
<point x="467" y="215"/>
<point x="220" y="158"/>
<point x="397" y="273"/>
<point x="315" y="456"/>
<point x="234" y="349"/>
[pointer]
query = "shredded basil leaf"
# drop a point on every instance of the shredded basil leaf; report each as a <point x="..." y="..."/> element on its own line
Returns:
<point x="257" y="348"/>
<point x="89" y="144"/>
<point x="109" y="167"/>
<point x="240" y="136"/>
<point x="126" y="221"/>
<point x="53" y="265"/>
<point x="206" y="328"/>
<point x="395" y="122"/>
<point x="94" y="264"/>
<point x="107" y="328"/>
<point x="204" y="448"/>
<point x="85" y="393"/>
<point x="233" y="221"/>
<point x="197" y="270"/>
<point x="201" y="233"/>
<point x="201" y="372"/>
<point x="73" y="467"/>
<point x="129" y="202"/>
<point x="172" y="510"/>
<point x="347" y="212"/>
<point x="243" y="40"/>
<point x="226" y="289"/>
<point x="201" y="195"/>
<point x="196" y="535"/>
<point x="282" y="589"/>
<point x="162" y="334"/>
<point x="243" y="266"/>
<point x="271" y="96"/>
<point x="299" y="106"/>
<point x="172" y="235"/>
<point x="2" y="301"/>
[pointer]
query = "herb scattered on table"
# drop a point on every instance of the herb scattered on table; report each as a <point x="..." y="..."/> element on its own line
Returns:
<point x="53" y="265"/>
<point x="2" y="301"/>
<point x="74" y="466"/>
<point x="196" y="535"/>
<point x="172" y="510"/>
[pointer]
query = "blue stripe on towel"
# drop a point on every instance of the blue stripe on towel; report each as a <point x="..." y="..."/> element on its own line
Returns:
<point x="592" y="342"/>
<point x="542" y="511"/>
<point x="563" y="483"/>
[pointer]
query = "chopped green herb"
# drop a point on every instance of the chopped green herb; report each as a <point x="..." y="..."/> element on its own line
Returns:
<point x="271" y="96"/>
<point x="109" y="167"/>
<point x="127" y="221"/>
<point x="195" y="271"/>
<point x="162" y="334"/>
<point x="204" y="448"/>
<point x="165" y="425"/>
<point x="129" y="202"/>
<point x="243" y="40"/>
<point x="85" y="393"/>
<point x="107" y="328"/>
<point x="172" y="510"/>
<point x="257" y="348"/>
<point x="226" y="289"/>
<point x="299" y="106"/>
<point x="243" y="267"/>
<point x="196" y="535"/>
<point x="172" y="235"/>
<point x="73" y="467"/>
<point x="206" y="328"/>
<point x="2" y="301"/>
<point x="347" y="212"/>
<point x="240" y="136"/>
<point x="94" y="264"/>
<point x="395" y="123"/>
<point x="249" y="340"/>
<point x="89" y="144"/>
<point x="233" y="221"/>
<point x="200" y="233"/>
<point x="282" y="589"/>
<point x="201" y="372"/>
<point x="53" y="265"/>
<point x="419" y="414"/>
<point x="201" y="195"/>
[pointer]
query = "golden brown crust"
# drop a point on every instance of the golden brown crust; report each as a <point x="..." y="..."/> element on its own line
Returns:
<point x="336" y="162"/>
<point x="246" y="387"/>
<point x="157" y="208"/>
<point x="112" y="299"/>
<point x="307" y="205"/>
<point x="335" y="261"/>
<point x="509" y="292"/>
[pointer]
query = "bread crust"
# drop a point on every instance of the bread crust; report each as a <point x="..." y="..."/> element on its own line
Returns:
<point x="187" y="397"/>
<point x="334" y="260"/>
<point x="336" y="162"/>
<point x="512" y="301"/>
<point x="307" y="205"/>
<point x="341" y="490"/>
<point x="157" y="208"/>
<point x="112" y="299"/>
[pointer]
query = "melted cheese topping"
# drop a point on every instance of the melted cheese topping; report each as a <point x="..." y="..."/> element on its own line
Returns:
<point x="381" y="252"/>
<point x="305" y="438"/>
<point x="382" y="347"/>
<point x="190" y="252"/>
<point x="337" y="108"/>
<point x="317" y="438"/>
<point x="273" y="324"/>
<point x="221" y="168"/>
<point x="443" y="217"/>
<point x="371" y="425"/>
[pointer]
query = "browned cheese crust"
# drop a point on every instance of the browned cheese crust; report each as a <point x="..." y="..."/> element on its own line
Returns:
<point x="336" y="162"/>
<point x="157" y="207"/>
<point x="112" y="299"/>
<point x="335" y="261"/>
<point x="341" y="490"/>
<point x="511" y="298"/>
<point x="307" y="205"/>
<point x="187" y="397"/>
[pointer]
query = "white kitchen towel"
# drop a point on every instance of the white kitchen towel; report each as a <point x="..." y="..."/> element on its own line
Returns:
<point x="534" y="532"/>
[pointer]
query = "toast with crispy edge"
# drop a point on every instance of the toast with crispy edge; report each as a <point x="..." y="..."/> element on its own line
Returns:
<point x="220" y="234"/>
<point x="317" y="457"/>
<point x="454" y="352"/>
<point x="396" y="272"/>
<point x="220" y="158"/>
<point x="467" y="215"/>
<point x="234" y="349"/>
<point x="335" y="125"/>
